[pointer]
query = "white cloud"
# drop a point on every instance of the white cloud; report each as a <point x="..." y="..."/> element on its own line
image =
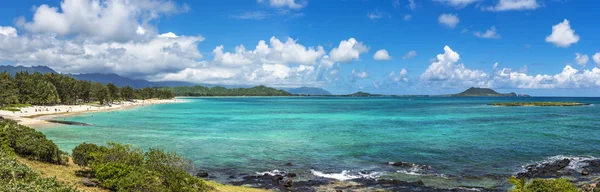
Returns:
<point x="410" y="54"/>
<point x="400" y="77"/>
<point x="458" y="3"/>
<point x="348" y="50"/>
<point x="568" y="78"/>
<point x="168" y="35"/>
<point x="8" y="31"/>
<point x="448" y="73"/>
<point x="596" y="58"/>
<point x="445" y="72"/>
<point x="377" y="15"/>
<point x="382" y="54"/>
<point x="508" y="5"/>
<point x="255" y="15"/>
<point x="412" y="4"/>
<point x="407" y="17"/>
<point x="489" y="34"/>
<point x="359" y="74"/>
<point x="581" y="59"/>
<point x="100" y="20"/>
<point x="562" y="35"/>
<point x="292" y="4"/>
<point x="450" y="20"/>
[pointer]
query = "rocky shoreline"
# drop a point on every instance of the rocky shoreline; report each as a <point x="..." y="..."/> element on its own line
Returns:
<point x="584" y="172"/>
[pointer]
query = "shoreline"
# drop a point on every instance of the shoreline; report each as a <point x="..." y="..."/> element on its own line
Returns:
<point x="37" y="115"/>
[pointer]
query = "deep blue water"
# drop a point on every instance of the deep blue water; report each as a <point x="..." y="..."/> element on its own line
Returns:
<point x="463" y="140"/>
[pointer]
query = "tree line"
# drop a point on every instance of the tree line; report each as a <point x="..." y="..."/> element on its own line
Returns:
<point x="51" y="89"/>
<point x="222" y="91"/>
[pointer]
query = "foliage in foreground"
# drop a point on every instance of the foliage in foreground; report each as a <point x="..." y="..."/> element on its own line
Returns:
<point x="29" y="143"/>
<point x="542" y="185"/>
<point x="125" y="168"/>
<point x="18" y="177"/>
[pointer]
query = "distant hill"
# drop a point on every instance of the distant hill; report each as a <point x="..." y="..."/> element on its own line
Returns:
<point x="308" y="91"/>
<point x="362" y="94"/>
<point x="222" y="91"/>
<point x="98" y="77"/>
<point x="12" y="70"/>
<point x="482" y="92"/>
<point x="124" y="81"/>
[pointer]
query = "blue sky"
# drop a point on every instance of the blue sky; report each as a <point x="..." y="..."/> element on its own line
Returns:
<point x="531" y="56"/>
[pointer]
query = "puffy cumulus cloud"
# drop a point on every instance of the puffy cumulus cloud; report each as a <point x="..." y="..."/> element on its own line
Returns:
<point x="134" y="58"/>
<point x="358" y="75"/>
<point x="562" y="35"/>
<point x="489" y="34"/>
<point x="348" y="50"/>
<point x="569" y="77"/>
<point x="581" y="59"/>
<point x="8" y="31"/>
<point x="508" y="5"/>
<point x="457" y="3"/>
<point x="449" y="20"/>
<point x="596" y="58"/>
<point x="292" y="4"/>
<point x="400" y="77"/>
<point x="393" y="79"/>
<point x="410" y="54"/>
<point x="288" y="52"/>
<point x="412" y="4"/>
<point x="407" y="17"/>
<point x="101" y="20"/>
<point x="276" y="63"/>
<point x="382" y="54"/>
<point x="447" y="72"/>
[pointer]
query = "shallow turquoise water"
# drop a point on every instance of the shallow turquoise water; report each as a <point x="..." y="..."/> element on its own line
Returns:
<point x="463" y="140"/>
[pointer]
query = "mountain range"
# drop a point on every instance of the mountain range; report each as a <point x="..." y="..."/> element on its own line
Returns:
<point x="140" y="83"/>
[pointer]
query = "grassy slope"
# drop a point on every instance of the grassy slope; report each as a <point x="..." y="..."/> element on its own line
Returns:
<point x="66" y="173"/>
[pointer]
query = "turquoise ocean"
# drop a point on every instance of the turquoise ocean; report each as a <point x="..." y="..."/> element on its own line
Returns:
<point x="452" y="141"/>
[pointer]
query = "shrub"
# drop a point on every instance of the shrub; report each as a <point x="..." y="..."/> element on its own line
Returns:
<point x="141" y="180"/>
<point x="30" y="143"/>
<point x="83" y="153"/>
<point x="543" y="185"/>
<point x="125" y="168"/>
<point x="110" y="173"/>
<point x="18" y="177"/>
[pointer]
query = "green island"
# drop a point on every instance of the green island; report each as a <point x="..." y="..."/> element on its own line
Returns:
<point x="541" y="104"/>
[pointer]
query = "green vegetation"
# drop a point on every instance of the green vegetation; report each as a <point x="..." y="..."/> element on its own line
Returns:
<point x="125" y="168"/>
<point x="17" y="139"/>
<point x="29" y="143"/>
<point x="542" y="185"/>
<point x="482" y="92"/>
<point x="222" y="91"/>
<point x="544" y="104"/>
<point x="49" y="89"/>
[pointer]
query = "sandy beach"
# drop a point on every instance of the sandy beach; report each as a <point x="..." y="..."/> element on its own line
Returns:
<point x="36" y="115"/>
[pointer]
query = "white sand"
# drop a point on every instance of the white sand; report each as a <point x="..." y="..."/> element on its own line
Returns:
<point x="34" y="115"/>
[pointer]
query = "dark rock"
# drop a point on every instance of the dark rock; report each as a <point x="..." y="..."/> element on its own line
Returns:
<point x="289" y="164"/>
<point x="232" y="177"/>
<point x="69" y="122"/>
<point x="88" y="182"/>
<point x="277" y="178"/>
<point x="593" y="166"/>
<point x="545" y="170"/>
<point x="202" y="174"/>
<point x="287" y="183"/>
<point x="400" y="164"/>
<point x="1" y="118"/>
<point x="291" y="175"/>
<point x="585" y="172"/>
